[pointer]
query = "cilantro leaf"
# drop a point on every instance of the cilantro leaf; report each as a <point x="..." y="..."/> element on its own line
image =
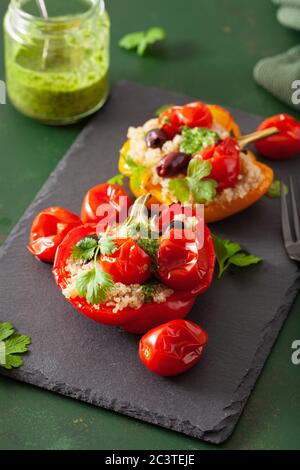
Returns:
<point x="197" y="138"/>
<point x="117" y="179"/>
<point x="228" y="252"/>
<point x="6" y="330"/>
<point x="94" y="285"/>
<point x="131" y="40"/>
<point x="242" y="259"/>
<point x="84" y="249"/>
<point x="141" y="40"/>
<point x="136" y="178"/>
<point x="199" y="168"/>
<point x="11" y="345"/>
<point x="203" y="191"/>
<point x="107" y="245"/>
<point x="162" y="109"/>
<point x="274" y="190"/>
<point x="180" y="188"/>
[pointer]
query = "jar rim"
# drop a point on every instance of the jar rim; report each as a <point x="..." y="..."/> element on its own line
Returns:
<point x="94" y="4"/>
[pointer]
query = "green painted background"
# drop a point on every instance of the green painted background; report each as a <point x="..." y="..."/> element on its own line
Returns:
<point x="211" y="49"/>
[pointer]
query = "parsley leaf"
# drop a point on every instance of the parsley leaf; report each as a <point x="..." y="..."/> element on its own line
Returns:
<point x="197" y="138"/>
<point x="162" y="109"/>
<point x="181" y="189"/>
<point x="118" y="180"/>
<point x="137" y="172"/>
<point x="84" y="249"/>
<point x="203" y="191"/>
<point x="11" y="345"/>
<point x="140" y="40"/>
<point x="107" y="245"/>
<point x="275" y="189"/>
<point x="150" y="246"/>
<point x="148" y="291"/>
<point x="228" y="252"/>
<point x="94" y="285"/>
<point x="87" y="248"/>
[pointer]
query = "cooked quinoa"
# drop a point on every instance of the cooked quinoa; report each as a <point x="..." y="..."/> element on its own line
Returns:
<point x="121" y="296"/>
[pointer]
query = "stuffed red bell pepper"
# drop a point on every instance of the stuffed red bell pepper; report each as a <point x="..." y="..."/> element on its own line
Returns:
<point x="130" y="280"/>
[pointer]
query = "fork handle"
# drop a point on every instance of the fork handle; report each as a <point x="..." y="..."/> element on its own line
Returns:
<point x="245" y="140"/>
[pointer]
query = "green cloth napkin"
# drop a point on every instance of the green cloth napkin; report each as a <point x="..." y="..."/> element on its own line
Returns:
<point x="276" y="74"/>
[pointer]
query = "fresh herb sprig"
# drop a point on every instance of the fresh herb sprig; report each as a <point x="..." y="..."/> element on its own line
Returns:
<point x="202" y="190"/>
<point x="151" y="247"/>
<point x="229" y="252"/>
<point x="137" y="172"/>
<point x="148" y="291"/>
<point x="274" y="190"/>
<point x="95" y="284"/>
<point x="12" y="344"/>
<point x="117" y="180"/>
<point x="141" y="40"/>
<point x="196" y="139"/>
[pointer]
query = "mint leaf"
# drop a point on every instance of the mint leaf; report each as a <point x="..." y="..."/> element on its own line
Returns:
<point x="274" y="190"/>
<point x="162" y="109"/>
<point x="84" y="249"/>
<point x="197" y="138"/>
<point x="228" y="252"/>
<point x="118" y="180"/>
<point x="107" y="245"/>
<point x="141" y="40"/>
<point x="11" y="345"/>
<point x="242" y="259"/>
<point x="180" y="188"/>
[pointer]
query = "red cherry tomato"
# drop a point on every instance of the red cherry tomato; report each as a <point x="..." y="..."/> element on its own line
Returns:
<point x="172" y="348"/>
<point x="182" y="264"/>
<point x="151" y="314"/>
<point x="226" y="163"/>
<point x="129" y="264"/>
<point x="191" y="115"/>
<point x="170" y="122"/>
<point x="284" y="145"/>
<point x="48" y="230"/>
<point x="195" y="115"/>
<point x="114" y="201"/>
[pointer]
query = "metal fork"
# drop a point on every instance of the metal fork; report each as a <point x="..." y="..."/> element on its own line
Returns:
<point x="290" y="224"/>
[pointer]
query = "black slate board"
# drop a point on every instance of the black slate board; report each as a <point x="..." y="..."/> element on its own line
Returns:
<point x="73" y="356"/>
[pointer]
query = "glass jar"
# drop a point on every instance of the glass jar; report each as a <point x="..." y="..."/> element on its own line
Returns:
<point x="57" y="65"/>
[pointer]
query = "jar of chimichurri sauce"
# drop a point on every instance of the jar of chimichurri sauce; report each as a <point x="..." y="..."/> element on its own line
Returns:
<point x="57" y="66"/>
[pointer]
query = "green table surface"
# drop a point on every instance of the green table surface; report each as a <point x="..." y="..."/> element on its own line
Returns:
<point x="210" y="52"/>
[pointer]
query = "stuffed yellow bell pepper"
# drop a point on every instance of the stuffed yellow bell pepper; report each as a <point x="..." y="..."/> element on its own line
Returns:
<point x="191" y="154"/>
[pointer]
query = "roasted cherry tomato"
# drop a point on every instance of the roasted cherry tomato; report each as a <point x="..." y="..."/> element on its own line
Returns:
<point x="182" y="264"/>
<point x="226" y="163"/>
<point x="114" y="201"/>
<point x="151" y="314"/>
<point x="284" y="145"/>
<point x="48" y="230"/>
<point x="170" y="122"/>
<point x="191" y="115"/>
<point x="195" y="115"/>
<point x="172" y="348"/>
<point x="129" y="264"/>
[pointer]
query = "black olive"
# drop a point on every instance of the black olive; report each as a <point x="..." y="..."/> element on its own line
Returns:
<point x="155" y="138"/>
<point x="173" y="164"/>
